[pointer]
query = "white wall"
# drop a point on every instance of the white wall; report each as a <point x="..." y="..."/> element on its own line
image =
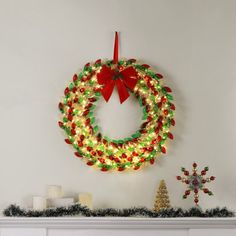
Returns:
<point x="42" y="44"/>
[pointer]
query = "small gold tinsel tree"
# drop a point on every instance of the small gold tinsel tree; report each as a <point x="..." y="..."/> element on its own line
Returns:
<point x="162" y="199"/>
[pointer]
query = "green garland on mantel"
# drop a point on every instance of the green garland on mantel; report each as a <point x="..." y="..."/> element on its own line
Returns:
<point x="78" y="210"/>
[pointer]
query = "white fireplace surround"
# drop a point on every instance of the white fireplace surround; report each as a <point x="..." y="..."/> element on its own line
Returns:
<point x="104" y="226"/>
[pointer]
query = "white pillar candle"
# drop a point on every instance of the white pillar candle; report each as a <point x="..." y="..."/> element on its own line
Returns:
<point x="39" y="203"/>
<point x="54" y="191"/>
<point x="86" y="199"/>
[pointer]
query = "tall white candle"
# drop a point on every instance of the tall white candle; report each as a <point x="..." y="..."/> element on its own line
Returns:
<point x="86" y="199"/>
<point x="54" y="191"/>
<point x="39" y="203"/>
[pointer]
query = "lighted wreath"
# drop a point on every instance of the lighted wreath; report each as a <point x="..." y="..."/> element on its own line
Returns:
<point x="99" y="79"/>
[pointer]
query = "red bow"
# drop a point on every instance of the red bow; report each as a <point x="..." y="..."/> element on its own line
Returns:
<point x="124" y="80"/>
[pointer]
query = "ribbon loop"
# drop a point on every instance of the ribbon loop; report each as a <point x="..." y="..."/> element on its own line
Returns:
<point x="116" y="49"/>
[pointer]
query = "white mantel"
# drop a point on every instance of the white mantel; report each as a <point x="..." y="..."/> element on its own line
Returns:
<point x="76" y="226"/>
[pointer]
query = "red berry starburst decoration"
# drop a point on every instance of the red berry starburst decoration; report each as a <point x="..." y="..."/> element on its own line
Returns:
<point x="195" y="182"/>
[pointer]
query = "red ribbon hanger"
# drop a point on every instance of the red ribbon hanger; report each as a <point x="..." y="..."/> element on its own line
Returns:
<point x="124" y="80"/>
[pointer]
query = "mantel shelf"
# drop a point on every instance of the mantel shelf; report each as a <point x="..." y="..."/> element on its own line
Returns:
<point x="116" y="223"/>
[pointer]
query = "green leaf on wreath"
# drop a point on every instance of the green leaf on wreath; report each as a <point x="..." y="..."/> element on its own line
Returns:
<point x="95" y="129"/>
<point x="90" y="114"/>
<point x="92" y="120"/>
<point x="169" y="97"/>
<point x="65" y="119"/>
<point x="71" y="86"/>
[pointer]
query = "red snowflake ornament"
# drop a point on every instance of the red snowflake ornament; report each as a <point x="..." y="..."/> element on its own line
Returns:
<point x="195" y="182"/>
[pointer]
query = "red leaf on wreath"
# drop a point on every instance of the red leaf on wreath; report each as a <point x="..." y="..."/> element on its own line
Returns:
<point x="87" y="122"/>
<point x="159" y="138"/>
<point x="70" y="117"/>
<point x="90" y="163"/>
<point x="163" y="149"/>
<point x="159" y="76"/>
<point x="166" y="112"/>
<point x="159" y="104"/>
<point x="167" y="89"/>
<point x="132" y="60"/>
<point x="160" y="118"/>
<point x="93" y="153"/>
<point x="129" y="159"/>
<point x="78" y="154"/>
<point x="104" y="141"/>
<point x="70" y="111"/>
<point x="66" y="91"/>
<point x="88" y="106"/>
<point x="172" y="107"/>
<point x="83" y="80"/>
<point x="124" y="155"/>
<point x="82" y="90"/>
<point x="145" y="66"/>
<point x="152" y="161"/>
<point x="102" y="160"/>
<point x="100" y="153"/>
<point x="82" y="137"/>
<point x="170" y="136"/>
<point x="143" y="131"/>
<point x="60" y="106"/>
<point x="85" y="113"/>
<point x="116" y="159"/>
<point x="121" y="168"/>
<point x="98" y="61"/>
<point x="75" y="77"/>
<point x="93" y="99"/>
<point x="150" y="149"/>
<point x="60" y="124"/>
<point x="69" y="103"/>
<point x="73" y="132"/>
<point x="74" y="89"/>
<point x="68" y="141"/>
<point x="172" y="121"/>
<point x="80" y="144"/>
<point x="154" y="141"/>
<point x="163" y="99"/>
<point x="135" y="154"/>
<point x="136" y="167"/>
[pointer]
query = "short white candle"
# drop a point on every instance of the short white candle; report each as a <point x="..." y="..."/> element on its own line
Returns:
<point x="86" y="199"/>
<point x="39" y="203"/>
<point x="54" y="191"/>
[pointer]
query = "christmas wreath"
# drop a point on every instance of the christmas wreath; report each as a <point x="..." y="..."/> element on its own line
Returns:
<point x="99" y="79"/>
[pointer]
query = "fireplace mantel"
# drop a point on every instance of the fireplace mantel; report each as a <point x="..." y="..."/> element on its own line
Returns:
<point x="117" y="222"/>
<point x="70" y="226"/>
